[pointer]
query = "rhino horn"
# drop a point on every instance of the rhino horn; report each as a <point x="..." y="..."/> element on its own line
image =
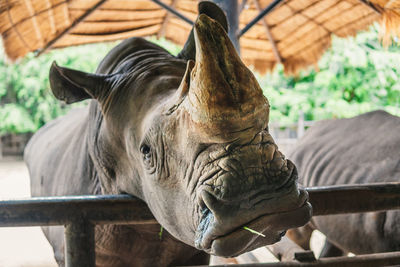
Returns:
<point x="213" y="11"/>
<point x="224" y="98"/>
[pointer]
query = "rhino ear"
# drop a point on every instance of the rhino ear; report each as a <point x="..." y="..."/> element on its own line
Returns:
<point x="72" y="86"/>
<point x="213" y="11"/>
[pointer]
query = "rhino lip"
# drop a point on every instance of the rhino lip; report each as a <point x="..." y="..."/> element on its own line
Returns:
<point x="244" y="241"/>
<point x="238" y="240"/>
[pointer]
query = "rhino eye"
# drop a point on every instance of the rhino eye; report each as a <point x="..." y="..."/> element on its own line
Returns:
<point x="147" y="158"/>
<point x="145" y="150"/>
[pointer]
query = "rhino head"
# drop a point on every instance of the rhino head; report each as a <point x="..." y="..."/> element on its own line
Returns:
<point x="190" y="138"/>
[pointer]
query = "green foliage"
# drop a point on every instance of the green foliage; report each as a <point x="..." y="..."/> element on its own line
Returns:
<point x="25" y="98"/>
<point x="26" y="101"/>
<point x="15" y="119"/>
<point x="356" y="75"/>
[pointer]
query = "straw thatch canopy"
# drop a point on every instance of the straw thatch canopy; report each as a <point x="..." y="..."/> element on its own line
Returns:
<point x="295" y="33"/>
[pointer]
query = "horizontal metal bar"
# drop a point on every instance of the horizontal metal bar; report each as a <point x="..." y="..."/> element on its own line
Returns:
<point x="263" y="13"/>
<point x="125" y="209"/>
<point x="173" y="11"/>
<point x="98" y="209"/>
<point x="378" y="259"/>
<point x="339" y="199"/>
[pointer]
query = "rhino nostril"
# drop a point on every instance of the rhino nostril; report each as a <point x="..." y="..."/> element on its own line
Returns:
<point x="201" y="203"/>
<point x="282" y="234"/>
<point x="216" y="206"/>
<point x="209" y="200"/>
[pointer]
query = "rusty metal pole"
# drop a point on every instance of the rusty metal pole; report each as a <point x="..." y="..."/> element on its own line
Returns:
<point x="79" y="244"/>
<point x="231" y="9"/>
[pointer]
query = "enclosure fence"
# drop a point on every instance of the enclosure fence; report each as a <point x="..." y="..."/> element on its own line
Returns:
<point x="80" y="214"/>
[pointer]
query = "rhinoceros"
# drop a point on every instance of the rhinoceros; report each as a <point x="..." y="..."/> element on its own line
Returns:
<point x="186" y="134"/>
<point x="363" y="149"/>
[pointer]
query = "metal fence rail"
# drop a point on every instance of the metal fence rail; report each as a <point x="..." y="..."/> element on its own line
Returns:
<point x="369" y="260"/>
<point x="97" y="209"/>
<point x="79" y="214"/>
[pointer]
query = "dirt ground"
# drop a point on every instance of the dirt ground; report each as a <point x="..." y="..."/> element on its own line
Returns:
<point x="27" y="246"/>
<point x="20" y="246"/>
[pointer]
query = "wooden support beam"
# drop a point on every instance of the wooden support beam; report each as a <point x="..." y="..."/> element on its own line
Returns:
<point x="263" y="13"/>
<point x="269" y="35"/>
<point x="173" y="11"/>
<point x="71" y="27"/>
<point x="161" y="32"/>
<point x="372" y="6"/>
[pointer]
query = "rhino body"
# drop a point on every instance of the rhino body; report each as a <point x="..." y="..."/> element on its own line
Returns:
<point x="188" y="135"/>
<point x="359" y="150"/>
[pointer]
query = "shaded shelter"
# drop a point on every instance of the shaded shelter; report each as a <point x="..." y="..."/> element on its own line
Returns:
<point x="292" y="32"/>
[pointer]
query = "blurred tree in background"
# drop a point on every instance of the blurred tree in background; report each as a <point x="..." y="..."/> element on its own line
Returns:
<point x="26" y="102"/>
<point x="355" y="76"/>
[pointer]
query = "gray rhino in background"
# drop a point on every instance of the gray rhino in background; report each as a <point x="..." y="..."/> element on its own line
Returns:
<point x="187" y="134"/>
<point x="363" y="149"/>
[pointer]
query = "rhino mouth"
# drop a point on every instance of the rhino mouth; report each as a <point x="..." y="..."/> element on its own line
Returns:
<point x="271" y="228"/>
<point x="225" y="235"/>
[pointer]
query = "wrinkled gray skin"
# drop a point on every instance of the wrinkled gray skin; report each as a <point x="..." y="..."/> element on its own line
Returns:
<point x="141" y="136"/>
<point x="363" y="149"/>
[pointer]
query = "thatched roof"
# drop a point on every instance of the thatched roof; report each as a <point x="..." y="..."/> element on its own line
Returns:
<point x="295" y="33"/>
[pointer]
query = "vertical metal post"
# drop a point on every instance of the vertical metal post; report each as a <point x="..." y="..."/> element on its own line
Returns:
<point x="300" y="125"/>
<point x="79" y="244"/>
<point x="1" y="148"/>
<point x="231" y="9"/>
